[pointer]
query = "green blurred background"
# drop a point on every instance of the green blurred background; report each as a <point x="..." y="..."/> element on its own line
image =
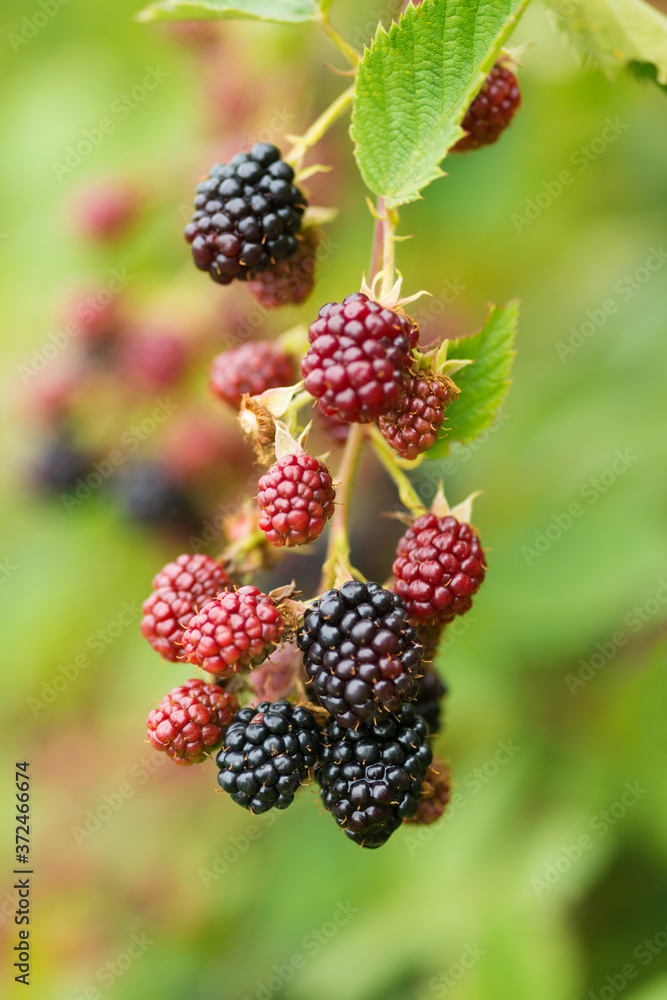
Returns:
<point x="504" y="899"/>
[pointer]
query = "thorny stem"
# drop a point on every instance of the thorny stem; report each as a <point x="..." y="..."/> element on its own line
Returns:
<point x="338" y="550"/>
<point x="321" y="125"/>
<point x="348" y="50"/>
<point x="406" y="491"/>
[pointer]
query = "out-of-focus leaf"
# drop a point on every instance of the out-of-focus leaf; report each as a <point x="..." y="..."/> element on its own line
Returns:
<point x="291" y="11"/>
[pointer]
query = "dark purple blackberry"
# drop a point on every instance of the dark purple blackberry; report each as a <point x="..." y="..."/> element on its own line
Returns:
<point x="59" y="467"/>
<point x="361" y="652"/>
<point x="371" y="777"/>
<point x="147" y="494"/>
<point x="429" y="698"/>
<point x="247" y="213"/>
<point x="267" y="753"/>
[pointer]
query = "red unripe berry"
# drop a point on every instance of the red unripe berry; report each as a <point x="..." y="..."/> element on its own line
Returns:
<point x="412" y="426"/>
<point x="233" y="631"/>
<point x="439" y="566"/>
<point x="191" y="721"/>
<point x="249" y="370"/>
<point x="296" y="499"/>
<point x="492" y="110"/>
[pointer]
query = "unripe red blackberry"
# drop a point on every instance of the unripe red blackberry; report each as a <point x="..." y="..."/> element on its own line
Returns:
<point x="233" y="631"/>
<point x="358" y="355"/>
<point x="492" y="110"/>
<point x="247" y="213"/>
<point x="197" y="575"/>
<point x="105" y="211"/>
<point x="292" y="280"/>
<point x="166" y="613"/>
<point x="412" y="426"/>
<point x="361" y="653"/>
<point x="268" y="754"/>
<point x="249" y="370"/>
<point x="439" y="566"/>
<point x="191" y="720"/>
<point x="152" y="359"/>
<point x="296" y="499"/>
<point x="435" y="794"/>
<point x="371" y="777"/>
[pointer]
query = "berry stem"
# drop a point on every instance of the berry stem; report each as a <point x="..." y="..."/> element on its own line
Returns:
<point x="389" y="226"/>
<point x="338" y="550"/>
<point x="406" y="491"/>
<point x="348" y="50"/>
<point x="319" y="127"/>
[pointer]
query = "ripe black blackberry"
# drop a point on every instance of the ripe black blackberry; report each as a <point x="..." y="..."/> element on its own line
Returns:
<point x="147" y="494"/>
<point x="247" y="213"/>
<point x="267" y="753"/>
<point x="371" y="777"/>
<point x="60" y="467"/>
<point x="361" y="652"/>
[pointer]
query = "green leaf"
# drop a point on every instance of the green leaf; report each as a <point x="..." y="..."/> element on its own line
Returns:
<point x="415" y="84"/>
<point x="616" y="34"/>
<point x="483" y="384"/>
<point x="291" y="11"/>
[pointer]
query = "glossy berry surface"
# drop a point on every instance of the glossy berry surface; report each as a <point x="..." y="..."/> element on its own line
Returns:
<point x="361" y="652"/>
<point x="191" y="720"/>
<point x="268" y="753"/>
<point x="412" y="426"/>
<point x="371" y="777"/>
<point x="296" y="499"/>
<point x="358" y="355"/>
<point x="491" y="112"/>
<point x="290" y="281"/>
<point x="247" y="213"/>
<point x="249" y="370"/>
<point x="232" y="631"/>
<point x="429" y="698"/>
<point x="439" y="566"/>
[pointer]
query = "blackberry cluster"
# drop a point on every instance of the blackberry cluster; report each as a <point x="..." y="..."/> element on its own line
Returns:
<point x="59" y="467"/>
<point x="247" y="214"/>
<point x="371" y="777"/>
<point x="267" y="754"/>
<point x="492" y="110"/>
<point x="296" y="499"/>
<point x="249" y="370"/>
<point x="149" y="495"/>
<point x="439" y="566"/>
<point x="359" y="353"/>
<point x="361" y="652"/>
<point x="430" y="695"/>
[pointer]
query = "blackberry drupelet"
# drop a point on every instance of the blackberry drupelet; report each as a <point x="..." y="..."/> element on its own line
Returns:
<point x="361" y="652"/>
<point x="268" y="753"/>
<point x="429" y="698"/>
<point x="292" y="280"/>
<point x="247" y="214"/>
<point x="371" y="777"/>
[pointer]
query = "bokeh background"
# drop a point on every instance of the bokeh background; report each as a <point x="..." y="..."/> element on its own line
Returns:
<point x="555" y="721"/>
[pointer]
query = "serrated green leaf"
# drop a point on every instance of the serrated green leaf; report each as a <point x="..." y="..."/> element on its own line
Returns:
<point x="286" y="11"/>
<point x="483" y="384"/>
<point x="414" y="85"/>
<point x="616" y="34"/>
